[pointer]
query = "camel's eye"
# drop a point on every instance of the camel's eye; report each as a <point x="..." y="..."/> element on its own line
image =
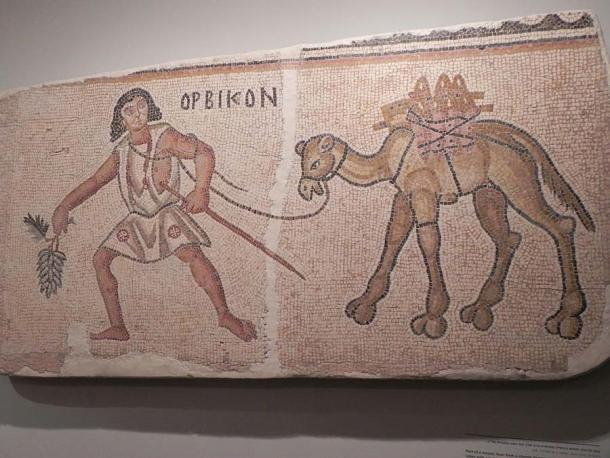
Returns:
<point x="315" y="165"/>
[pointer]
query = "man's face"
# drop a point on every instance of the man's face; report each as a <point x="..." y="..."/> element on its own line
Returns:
<point x="135" y="114"/>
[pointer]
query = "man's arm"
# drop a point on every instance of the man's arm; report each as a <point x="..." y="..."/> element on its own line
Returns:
<point x="188" y="147"/>
<point x="107" y="171"/>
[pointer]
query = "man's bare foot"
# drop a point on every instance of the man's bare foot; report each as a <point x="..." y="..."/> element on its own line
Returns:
<point x="243" y="329"/>
<point x="112" y="333"/>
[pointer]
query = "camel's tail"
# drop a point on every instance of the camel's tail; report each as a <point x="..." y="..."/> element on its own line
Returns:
<point x="553" y="179"/>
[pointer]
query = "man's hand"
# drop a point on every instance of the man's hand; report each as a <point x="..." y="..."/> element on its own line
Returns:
<point x="196" y="202"/>
<point x="60" y="220"/>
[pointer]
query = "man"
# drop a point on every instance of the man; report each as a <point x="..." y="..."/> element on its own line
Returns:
<point x="146" y="162"/>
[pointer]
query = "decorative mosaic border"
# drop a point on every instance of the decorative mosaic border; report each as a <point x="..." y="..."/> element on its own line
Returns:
<point x="548" y="23"/>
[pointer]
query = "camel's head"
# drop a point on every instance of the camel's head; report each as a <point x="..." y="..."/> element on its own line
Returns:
<point x="320" y="158"/>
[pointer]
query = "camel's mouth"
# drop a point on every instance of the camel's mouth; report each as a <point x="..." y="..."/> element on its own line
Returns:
<point x="309" y="186"/>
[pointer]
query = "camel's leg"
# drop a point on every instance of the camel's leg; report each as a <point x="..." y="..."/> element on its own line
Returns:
<point x="425" y="208"/>
<point x="527" y="198"/>
<point x="490" y="206"/>
<point x="364" y="308"/>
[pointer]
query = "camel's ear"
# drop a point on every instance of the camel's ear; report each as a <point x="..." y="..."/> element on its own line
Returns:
<point x="299" y="147"/>
<point x="326" y="143"/>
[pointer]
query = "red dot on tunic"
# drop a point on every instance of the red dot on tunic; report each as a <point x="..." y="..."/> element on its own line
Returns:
<point x="174" y="231"/>
<point x="122" y="235"/>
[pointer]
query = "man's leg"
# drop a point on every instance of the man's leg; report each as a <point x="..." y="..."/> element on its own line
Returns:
<point x="207" y="277"/>
<point x="109" y="288"/>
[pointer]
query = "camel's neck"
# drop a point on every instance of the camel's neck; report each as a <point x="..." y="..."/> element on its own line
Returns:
<point x="365" y="170"/>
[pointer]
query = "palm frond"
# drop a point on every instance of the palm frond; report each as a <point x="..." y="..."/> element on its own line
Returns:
<point x="36" y="226"/>
<point x="49" y="268"/>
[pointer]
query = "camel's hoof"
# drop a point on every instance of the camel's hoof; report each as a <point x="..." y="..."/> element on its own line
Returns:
<point x="567" y="327"/>
<point x="479" y="315"/>
<point x="432" y="327"/>
<point x="467" y="313"/>
<point x="552" y="324"/>
<point x="361" y="312"/>
<point x="570" y="327"/>
<point x="351" y="308"/>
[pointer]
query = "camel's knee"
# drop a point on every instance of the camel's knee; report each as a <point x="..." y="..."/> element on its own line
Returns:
<point x="566" y="225"/>
<point x="402" y="204"/>
<point x="513" y="241"/>
<point x="425" y="206"/>
<point x="102" y="259"/>
<point x="489" y="195"/>
<point x="559" y="227"/>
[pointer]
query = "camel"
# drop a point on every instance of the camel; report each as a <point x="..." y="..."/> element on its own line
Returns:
<point x="499" y="169"/>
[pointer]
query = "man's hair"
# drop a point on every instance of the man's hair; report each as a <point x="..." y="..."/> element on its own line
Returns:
<point x="116" y="126"/>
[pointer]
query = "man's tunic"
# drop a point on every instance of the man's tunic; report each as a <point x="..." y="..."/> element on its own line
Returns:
<point x="155" y="226"/>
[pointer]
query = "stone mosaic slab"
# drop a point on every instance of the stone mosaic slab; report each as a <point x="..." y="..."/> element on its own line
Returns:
<point x="421" y="204"/>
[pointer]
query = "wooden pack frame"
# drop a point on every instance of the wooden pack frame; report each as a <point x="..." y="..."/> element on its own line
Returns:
<point x="448" y="95"/>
